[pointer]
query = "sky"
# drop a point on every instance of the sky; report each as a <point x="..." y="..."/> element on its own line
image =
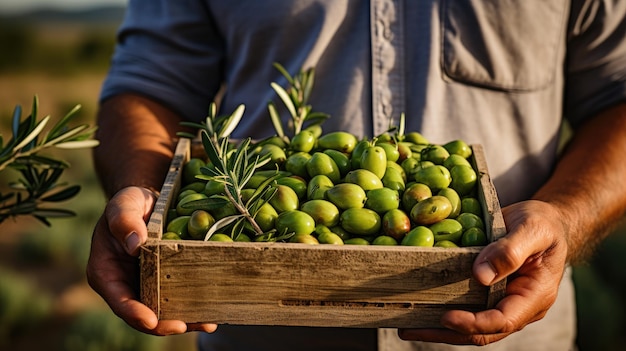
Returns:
<point x="16" y="6"/>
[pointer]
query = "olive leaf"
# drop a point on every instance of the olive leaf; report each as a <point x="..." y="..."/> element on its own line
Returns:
<point x="39" y="183"/>
<point x="295" y="99"/>
<point x="232" y="165"/>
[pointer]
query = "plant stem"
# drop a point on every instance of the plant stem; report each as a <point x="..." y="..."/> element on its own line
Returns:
<point x="244" y="211"/>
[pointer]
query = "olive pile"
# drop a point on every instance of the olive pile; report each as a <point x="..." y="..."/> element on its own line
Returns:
<point x="335" y="189"/>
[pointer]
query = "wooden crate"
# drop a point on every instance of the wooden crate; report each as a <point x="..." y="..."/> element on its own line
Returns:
<point x="304" y="285"/>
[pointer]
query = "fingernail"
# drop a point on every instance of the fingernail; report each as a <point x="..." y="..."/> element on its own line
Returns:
<point x="485" y="273"/>
<point x="132" y="243"/>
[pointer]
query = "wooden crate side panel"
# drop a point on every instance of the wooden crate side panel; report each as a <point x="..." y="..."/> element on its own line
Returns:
<point x="335" y="315"/>
<point x="201" y="282"/>
<point x="170" y="189"/>
<point x="149" y="255"/>
<point x="149" y="291"/>
<point x="494" y="221"/>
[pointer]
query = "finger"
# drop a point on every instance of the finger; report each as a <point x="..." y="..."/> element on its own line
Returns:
<point x="111" y="273"/>
<point x="521" y="246"/>
<point x="485" y="327"/>
<point x="203" y="327"/>
<point x="527" y="301"/>
<point x="127" y="214"/>
<point x="448" y="336"/>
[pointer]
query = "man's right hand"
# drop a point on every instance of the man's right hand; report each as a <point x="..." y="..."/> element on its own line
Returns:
<point x="113" y="267"/>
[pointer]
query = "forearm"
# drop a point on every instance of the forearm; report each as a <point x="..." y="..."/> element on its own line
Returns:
<point x="588" y="186"/>
<point x="137" y="139"/>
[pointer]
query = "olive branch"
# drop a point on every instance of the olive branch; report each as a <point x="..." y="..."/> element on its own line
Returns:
<point x="233" y="166"/>
<point x="296" y="99"/>
<point x="40" y="174"/>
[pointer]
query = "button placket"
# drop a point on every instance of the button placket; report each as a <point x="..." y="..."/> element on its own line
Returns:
<point x="387" y="35"/>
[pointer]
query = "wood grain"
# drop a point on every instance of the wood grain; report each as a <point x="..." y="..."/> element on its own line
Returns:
<point x="304" y="285"/>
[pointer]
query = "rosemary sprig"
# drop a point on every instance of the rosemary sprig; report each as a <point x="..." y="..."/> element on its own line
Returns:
<point x="40" y="174"/>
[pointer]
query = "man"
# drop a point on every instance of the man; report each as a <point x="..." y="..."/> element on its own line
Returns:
<point x="504" y="74"/>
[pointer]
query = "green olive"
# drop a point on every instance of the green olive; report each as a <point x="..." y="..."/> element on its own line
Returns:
<point x="360" y="221"/>
<point x="419" y="236"/>
<point x="431" y="210"/>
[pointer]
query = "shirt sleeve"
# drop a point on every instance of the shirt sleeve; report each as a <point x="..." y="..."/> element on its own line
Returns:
<point x="596" y="58"/>
<point x="169" y="51"/>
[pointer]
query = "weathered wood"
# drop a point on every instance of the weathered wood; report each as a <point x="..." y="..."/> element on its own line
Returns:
<point x="290" y="284"/>
<point x="170" y="188"/>
<point x="305" y="285"/>
<point x="149" y="272"/>
<point x="492" y="214"/>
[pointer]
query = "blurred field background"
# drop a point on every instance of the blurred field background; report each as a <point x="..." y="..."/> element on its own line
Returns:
<point x="45" y="302"/>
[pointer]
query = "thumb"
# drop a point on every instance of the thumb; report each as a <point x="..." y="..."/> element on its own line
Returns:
<point x="529" y="237"/>
<point x="127" y="213"/>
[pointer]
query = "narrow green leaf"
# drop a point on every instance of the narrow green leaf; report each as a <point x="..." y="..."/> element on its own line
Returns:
<point x="192" y="124"/>
<point x="5" y="197"/>
<point x="43" y="161"/>
<point x="185" y="135"/>
<point x="262" y="161"/>
<point x="286" y="99"/>
<point x="207" y="204"/>
<point x="401" y="125"/>
<point x="62" y="124"/>
<point x="294" y="95"/>
<point x="43" y="220"/>
<point x="31" y="176"/>
<point x="275" y="118"/>
<point x="263" y="189"/>
<point x="304" y="113"/>
<point x="33" y="134"/>
<point x="238" y="227"/>
<point x="317" y="116"/>
<point x="210" y="149"/>
<point x="221" y="224"/>
<point x="284" y="72"/>
<point x="17" y="116"/>
<point x="248" y="173"/>
<point x="84" y="135"/>
<point x="53" y="212"/>
<point x="17" y="185"/>
<point x="84" y="144"/>
<point x="34" y="111"/>
<point x="23" y="208"/>
<point x="209" y="125"/>
<point x="240" y="159"/>
<point x="212" y="110"/>
<point x="308" y="84"/>
<point x="231" y="123"/>
<point x="47" y="179"/>
<point x="67" y="135"/>
<point x="63" y="195"/>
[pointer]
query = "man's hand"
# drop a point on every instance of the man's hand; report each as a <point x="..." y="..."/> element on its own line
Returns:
<point x="533" y="256"/>
<point x="113" y="267"/>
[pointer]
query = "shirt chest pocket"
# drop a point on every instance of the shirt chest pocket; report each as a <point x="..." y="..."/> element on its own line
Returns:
<point x="511" y="45"/>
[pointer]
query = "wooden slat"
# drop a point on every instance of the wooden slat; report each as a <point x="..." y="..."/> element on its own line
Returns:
<point x="299" y="281"/>
<point x="494" y="221"/>
<point x="170" y="188"/>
